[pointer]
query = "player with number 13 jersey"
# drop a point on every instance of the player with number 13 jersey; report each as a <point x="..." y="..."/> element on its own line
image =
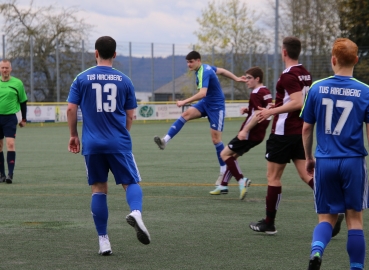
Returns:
<point x="112" y="92"/>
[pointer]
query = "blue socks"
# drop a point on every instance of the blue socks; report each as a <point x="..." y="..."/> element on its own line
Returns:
<point x="134" y="197"/>
<point x="176" y="127"/>
<point x="99" y="211"/>
<point x="321" y="236"/>
<point x="356" y="249"/>
<point x="219" y="147"/>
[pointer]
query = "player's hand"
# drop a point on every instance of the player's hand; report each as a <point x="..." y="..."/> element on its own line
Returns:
<point x="263" y="114"/>
<point x="244" y="110"/>
<point x="22" y="123"/>
<point x="180" y="103"/>
<point x="74" y="145"/>
<point x="270" y="106"/>
<point x="310" y="166"/>
<point x="242" y="135"/>
<point x="241" y="79"/>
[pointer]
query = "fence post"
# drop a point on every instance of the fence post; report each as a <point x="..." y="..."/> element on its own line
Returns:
<point x="57" y="71"/>
<point x="3" y="46"/>
<point x="173" y="74"/>
<point x="232" y="70"/>
<point x="130" y="60"/>
<point x="152" y="72"/>
<point x="31" y="67"/>
<point x="275" y="69"/>
<point x="83" y="55"/>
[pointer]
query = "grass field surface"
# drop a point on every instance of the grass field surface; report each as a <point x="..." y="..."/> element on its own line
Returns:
<point x="46" y="221"/>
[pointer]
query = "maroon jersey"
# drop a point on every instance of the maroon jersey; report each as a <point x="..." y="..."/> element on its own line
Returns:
<point x="293" y="79"/>
<point x="259" y="97"/>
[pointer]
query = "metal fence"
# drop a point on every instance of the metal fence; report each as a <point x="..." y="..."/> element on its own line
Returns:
<point x="153" y="66"/>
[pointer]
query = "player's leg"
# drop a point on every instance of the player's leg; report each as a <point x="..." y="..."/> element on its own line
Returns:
<point x="274" y="195"/>
<point x="239" y="147"/>
<point x="356" y="199"/>
<point x="10" y="129"/>
<point x="97" y="169"/>
<point x="192" y="113"/>
<point x="322" y="235"/>
<point x="356" y="248"/>
<point x="278" y="155"/>
<point x="2" y="160"/>
<point x="216" y="121"/>
<point x="125" y="171"/>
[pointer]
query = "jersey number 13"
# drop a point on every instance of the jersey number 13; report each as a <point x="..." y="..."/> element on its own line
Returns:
<point x="110" y="88"/>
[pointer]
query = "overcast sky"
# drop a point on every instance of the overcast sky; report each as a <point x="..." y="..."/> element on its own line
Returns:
<point x="157" y="21"/>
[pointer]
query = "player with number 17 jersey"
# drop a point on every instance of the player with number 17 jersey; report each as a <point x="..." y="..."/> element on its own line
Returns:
<point x="112" y="93"/>
<point x="339" y="121"/>
<point x="293" y="79"/>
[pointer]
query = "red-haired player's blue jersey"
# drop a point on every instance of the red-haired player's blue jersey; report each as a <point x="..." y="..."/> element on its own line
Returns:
<point x="103" y="94"/>
<point x="339" y="105"/>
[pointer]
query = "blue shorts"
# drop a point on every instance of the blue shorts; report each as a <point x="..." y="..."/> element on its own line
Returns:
<point x="340" y="184"/>
<point x="8" y="126"/>
<point x="123" y="166"/>
<point x="215" y="114"/>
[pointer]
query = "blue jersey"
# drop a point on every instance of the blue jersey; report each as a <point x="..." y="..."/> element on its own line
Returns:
<point x="206" y="78"/>
<point x="339" y="105"/>
<point x="103" y="94"/>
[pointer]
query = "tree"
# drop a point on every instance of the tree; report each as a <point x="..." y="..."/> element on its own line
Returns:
<point x="354" y="21"/>
<point x="316" y="23"/>
<point x="46" y="26"/>
<point x="228" y="26"/>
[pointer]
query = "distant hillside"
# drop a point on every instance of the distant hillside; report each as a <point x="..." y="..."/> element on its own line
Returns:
<point x="142" y="70"/>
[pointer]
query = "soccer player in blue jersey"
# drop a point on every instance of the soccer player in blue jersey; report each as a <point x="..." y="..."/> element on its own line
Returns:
<point x="338" y="106"/>
<point x="107" y="100"/>
<point x="211" y="104"/>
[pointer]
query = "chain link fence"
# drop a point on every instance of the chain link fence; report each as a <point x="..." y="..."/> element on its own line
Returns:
<point x="159" y="70"/>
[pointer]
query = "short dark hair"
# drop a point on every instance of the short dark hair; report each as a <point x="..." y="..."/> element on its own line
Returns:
<point x="194" y="55"/>
<point x="106" y="47"/>
<point x="256" y="72"/>
<point x="293" y="47"/>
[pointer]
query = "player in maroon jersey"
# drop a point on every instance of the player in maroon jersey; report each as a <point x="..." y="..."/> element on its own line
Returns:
<point x="285" y="141"/>
<point x="250" y="134"/>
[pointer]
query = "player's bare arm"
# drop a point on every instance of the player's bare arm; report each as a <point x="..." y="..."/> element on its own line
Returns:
<point x="307" y="138"/>
<point x="129" y="119"/>
<point x="199" y="95"/>
<point x="74" y="144"/>
<point x="367" y="131"/>
<point x="228" y="74"/>
<point x="295" y="104"/>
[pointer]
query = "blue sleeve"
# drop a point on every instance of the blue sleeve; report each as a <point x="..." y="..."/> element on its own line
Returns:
<point x="131" y="102"/>
<point x="308" y="111"/>
<point x="74" y="95"/>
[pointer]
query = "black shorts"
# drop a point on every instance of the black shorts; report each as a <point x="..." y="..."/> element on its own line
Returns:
<point x="8" y="126"/>
<point x="241" y="146"/>
<point x="282" y="148"/>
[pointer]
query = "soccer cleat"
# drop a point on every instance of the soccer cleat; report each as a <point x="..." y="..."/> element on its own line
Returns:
<point x="219" y="180"/>
<point x="219" y="190"/>
<point x="135" y="220"/>
<point x="244" y="184"/>
<point x="262" y="226"/>
<point x="160" y="142"/>
<point x="9" y="179"/>
<point x="315" y="262"/>
<point x="337" y="226"/>
<point x="104" y="243"/>
<point x="2" y="178"/>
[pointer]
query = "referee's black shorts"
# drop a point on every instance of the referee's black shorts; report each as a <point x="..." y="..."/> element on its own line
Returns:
<point x="282" y="149"/>
<point x="8" y="125"/>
